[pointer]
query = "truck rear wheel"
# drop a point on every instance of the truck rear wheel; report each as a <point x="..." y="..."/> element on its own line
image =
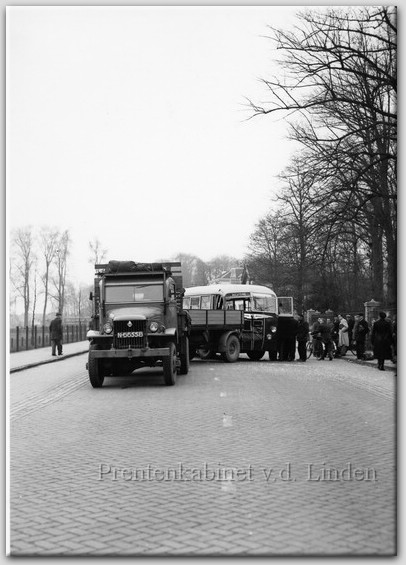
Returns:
<point x="96" y="376"/>
<point x="184" y="359"/>
<point x="232" y="351"/>
<point x="255" y="355"/>
<point x="169" y="364"/>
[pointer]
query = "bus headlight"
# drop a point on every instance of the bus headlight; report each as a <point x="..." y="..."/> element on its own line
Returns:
<point x="273" y="331"/>
<point x="107" y="328"/>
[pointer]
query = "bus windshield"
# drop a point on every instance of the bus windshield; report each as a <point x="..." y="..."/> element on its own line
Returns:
<point x="255" y="303"/>
<point x="263" y="303"/>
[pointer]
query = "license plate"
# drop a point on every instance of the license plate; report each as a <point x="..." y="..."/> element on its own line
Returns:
<point x="129" y="334"/>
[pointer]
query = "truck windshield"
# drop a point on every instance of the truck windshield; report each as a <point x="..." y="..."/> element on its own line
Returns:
<point x="134" y="293"/>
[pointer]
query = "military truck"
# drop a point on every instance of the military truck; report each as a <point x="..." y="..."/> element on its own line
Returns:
<point x="137" y="321"/>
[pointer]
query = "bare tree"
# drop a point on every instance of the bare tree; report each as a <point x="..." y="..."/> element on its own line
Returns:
<point x="23" y="257"/>
<point x="59" y="281"/>
<point x="267" y="259"/>
<point x="77" y="304"/>
<point x="299" y="211"/>
<point x="97" y="253"/>
<point x="194" y="270"/>
<point x="48" y="240"/>
<point x="34" y="295"/>
<point x="340" y="80"/>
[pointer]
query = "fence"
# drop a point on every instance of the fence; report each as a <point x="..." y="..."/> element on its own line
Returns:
<point x="34" y="337"/>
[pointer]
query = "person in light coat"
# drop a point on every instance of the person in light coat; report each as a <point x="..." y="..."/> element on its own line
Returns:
<point x="343" y="339"/>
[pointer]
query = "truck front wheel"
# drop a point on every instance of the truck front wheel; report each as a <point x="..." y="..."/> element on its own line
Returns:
<point x="169" y="364"/>
<point x="184" y="359"/>
<point x="96" y="376"/>
<point x="232" y="351"/>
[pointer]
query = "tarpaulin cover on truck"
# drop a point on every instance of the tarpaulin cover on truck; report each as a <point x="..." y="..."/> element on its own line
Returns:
<point x="132" y="267"/>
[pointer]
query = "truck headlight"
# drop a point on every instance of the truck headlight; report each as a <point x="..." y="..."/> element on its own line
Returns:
<point x="153" y="327"/>
<point x="107" y="328"/>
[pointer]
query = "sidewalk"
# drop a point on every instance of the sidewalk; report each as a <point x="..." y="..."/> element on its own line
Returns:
<point x="34" y="357"/>
<point x="389" y="366"/>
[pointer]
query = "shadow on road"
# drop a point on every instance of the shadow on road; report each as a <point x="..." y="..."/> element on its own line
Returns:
<point x="146" y="377"/>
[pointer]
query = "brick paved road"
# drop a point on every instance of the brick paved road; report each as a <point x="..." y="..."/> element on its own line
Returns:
<point x="78" y="458"/>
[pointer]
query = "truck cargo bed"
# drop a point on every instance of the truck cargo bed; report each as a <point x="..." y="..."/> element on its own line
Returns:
<point x="216" y="319"/>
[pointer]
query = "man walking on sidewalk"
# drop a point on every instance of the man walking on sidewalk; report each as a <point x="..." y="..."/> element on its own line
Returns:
<point x="55" y="330"/>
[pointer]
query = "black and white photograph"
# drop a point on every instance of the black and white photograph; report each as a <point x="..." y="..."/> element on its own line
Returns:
<point x="201" y="281"/>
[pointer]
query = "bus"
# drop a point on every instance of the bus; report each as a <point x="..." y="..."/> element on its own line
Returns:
<point x="234" y="318"/>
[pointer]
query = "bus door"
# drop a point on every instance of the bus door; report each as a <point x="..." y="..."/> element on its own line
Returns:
<point x="285" y="306"/>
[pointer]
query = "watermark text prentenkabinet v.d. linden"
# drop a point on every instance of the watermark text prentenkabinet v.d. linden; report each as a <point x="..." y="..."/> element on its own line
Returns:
<point x="182" y="473"/>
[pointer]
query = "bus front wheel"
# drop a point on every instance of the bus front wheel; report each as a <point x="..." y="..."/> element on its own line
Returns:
<point x="255" y="355"/>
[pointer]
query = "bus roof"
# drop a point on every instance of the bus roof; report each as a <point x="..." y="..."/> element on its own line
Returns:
<point x="224" y="289"/>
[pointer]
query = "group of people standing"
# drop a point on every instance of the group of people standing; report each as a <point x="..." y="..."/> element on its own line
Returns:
<point x="334" y="337"/>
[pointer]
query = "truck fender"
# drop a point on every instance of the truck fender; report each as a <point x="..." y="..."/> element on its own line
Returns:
<point x="170" y="333"/>
<point x="92" y="334"/>
<point x="223" y="340"/>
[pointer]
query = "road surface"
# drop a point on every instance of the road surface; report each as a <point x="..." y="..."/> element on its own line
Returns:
<point x="251" y="458"/>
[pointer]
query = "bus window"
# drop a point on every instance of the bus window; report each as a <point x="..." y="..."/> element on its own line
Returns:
<point x="194" y="302"/>
<point x="205" y="303"/>
<point x="186" y="302"/>
<point x="238" y="304"/>
<point x="218" y="302"/>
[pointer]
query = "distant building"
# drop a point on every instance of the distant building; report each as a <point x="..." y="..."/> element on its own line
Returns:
<point x="236" y="275"/>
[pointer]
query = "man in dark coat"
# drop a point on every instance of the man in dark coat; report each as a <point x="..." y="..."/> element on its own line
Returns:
<point x="395" y="338"/>
<point x="335" y="334"/>
<point x="382" y="339"/>
<point x="316" y="335"/>
<point x="286" y="338"/>
<point x="55" y="331"/>
<point x="361" y="330"/>
<point x="325" y="331"/>
<point x="302" y="335"/>
<point x="351" y="323"/>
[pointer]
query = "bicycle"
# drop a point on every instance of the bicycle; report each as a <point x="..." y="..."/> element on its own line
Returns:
<point x="314" y="347"/>
<point x="343" y="349"/>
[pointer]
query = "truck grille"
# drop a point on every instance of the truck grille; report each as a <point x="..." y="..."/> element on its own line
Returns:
<point x="128" y="339"/>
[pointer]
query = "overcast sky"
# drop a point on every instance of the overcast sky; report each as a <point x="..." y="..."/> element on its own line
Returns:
<point x="129" y="124"/>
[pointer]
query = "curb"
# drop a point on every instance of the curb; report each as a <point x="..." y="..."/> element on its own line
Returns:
<point x="369" y="364"/>
<point x="46" y="361"/>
